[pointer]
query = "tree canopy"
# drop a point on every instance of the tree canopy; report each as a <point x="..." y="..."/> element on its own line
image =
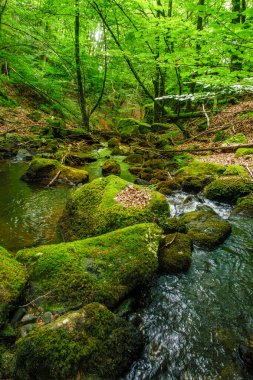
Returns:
<point x="82" y="55"/>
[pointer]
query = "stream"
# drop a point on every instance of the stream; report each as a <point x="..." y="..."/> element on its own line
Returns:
<point x="193" y="322"/>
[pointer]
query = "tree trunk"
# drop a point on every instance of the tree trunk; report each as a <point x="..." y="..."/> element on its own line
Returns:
<point x="79" y="76"/>
<point x="236" y="63"/>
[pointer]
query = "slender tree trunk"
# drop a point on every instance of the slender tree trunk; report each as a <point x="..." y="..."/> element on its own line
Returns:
<point x="198" y="47"/>
<point x="79" y="76"/>
<point x="236" y="63"/>
<point x="4" y="64"/>
<point x="158" y="81"/>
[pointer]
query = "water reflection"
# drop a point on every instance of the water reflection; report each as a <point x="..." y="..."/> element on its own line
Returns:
<point x="28" y="215"/>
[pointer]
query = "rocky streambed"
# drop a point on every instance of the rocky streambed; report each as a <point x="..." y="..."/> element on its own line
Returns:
<point x="61" y="304"/>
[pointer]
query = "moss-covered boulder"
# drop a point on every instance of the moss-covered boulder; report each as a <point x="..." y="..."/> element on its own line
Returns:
<point x="43" y="170"/>
<point x="111" y="167"/>
<point x="241" y="152"/>
<point x="236" y="170"/>
<point x="175" y="253"/>
<point x="113" y="142"/>
<point x="131" y="127"/>
<point x="196" y="175"/>
<point x="102" y="269"/>
<point x="7" y="362"/>
<point x="244" y="207"/>
<point x="238" y="138"/>
<point x="98" y="207"/>
<point x="168" y="186"/>
<point x="228" y="189"/>
<point x="206" y="228"/>
<point x="12" y="282"/>
<point x="89" y="342"/>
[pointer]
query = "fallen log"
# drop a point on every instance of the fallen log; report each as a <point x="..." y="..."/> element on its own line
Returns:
<point x="224" y="149"/>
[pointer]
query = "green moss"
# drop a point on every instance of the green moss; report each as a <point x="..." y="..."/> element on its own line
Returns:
<point x="131" y="127"/>
<point x="12" y="282"/>
<point x="113" y="142"/>
<point x="228" y="189"/>
<point x="44" y="170"/>
<point x="173" y="225"/>
<point x="168" y="186"/>
<point x="238" y="138"/>
<point x="197" y="175"/>
<point x="236" y="170"/>
<point x="243" y="152"/>
<point x="102" y="269"/>
<point x="92" y="209"/>
<point x="135" y="158"/>
<point x="110" y="167"/>
<point x="175" y="253"/>
<point x="161" y="127"/>
<point x="206" y="228"/>
<point x="7" y="363"/>
<point x="244" y="207"/>
<point x="91" y="341"/>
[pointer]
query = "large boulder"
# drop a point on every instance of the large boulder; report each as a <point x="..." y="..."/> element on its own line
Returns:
<point x="12" y="281"/>
<point x="89" y="342"/>
<point x="206" y="228"/>
<point x="111" y="167"/>
<point x="228" y="189"/>
<point x="102" y="269"/>
<point x="110" y="203"/>
<point x="44" y="170"/>
<point x="244" y="207"/>
<point x="196" y="175"/>
<point x="175" y="253"/>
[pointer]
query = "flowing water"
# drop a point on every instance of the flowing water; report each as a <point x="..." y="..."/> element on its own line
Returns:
<point x="28" y="214"/>
<point x="194" y="322"/>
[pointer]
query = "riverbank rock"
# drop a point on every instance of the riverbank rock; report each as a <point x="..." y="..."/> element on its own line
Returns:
<point x="43" y="170"/>
<point x="244" y="207"/>
<point x="196" y="175"/>
<point x="12" y="281"/>
<point x="110" y="167"/>
<point x="175" y="253"/>
<point x="206" y="228"/>
<point x="228" y="189"/>
<point x="97" y="208"/>
<point x="103" y="269"/>
<point x="130" y="127"/>
<point x="89" y="342"/>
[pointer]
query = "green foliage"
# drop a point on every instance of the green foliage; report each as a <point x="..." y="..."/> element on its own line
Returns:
<point x="220" y="136"/>
<point x="238" y="138"/>
<point x="182" y="159"/>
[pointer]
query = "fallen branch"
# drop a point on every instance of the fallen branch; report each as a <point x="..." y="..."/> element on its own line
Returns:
<point x="206" y="115"/>
<point x="170" y="242"/>
<point x="225" y="149"/>
<point x="54" y="179"/>
<point x="209" y="132"/>
<point x="9" y="131"/>
<point x="36" y="299"/>
<point x="249" y="170"/>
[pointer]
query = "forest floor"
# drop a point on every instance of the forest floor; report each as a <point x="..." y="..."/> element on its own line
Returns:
<point x="234" y="119"/>
<point x="230" y="121"/>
